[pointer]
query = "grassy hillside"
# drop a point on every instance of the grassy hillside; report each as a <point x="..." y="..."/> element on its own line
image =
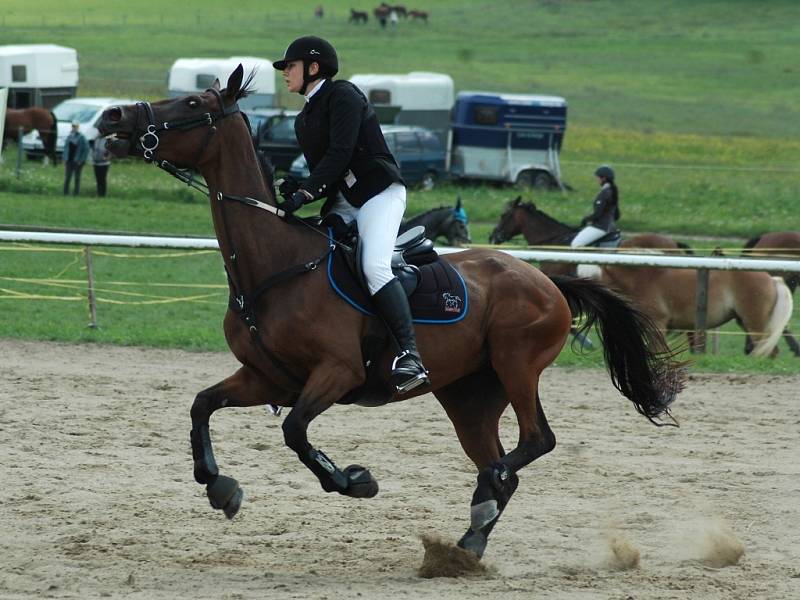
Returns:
<point x="723" y="67"/>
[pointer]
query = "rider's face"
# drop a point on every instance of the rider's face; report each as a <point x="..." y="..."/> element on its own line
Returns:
<point x="293" y="76"/>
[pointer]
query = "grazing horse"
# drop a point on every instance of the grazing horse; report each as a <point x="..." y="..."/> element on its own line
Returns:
<point x="358" y="16"/>
<point x="778" y="244"/>
<point x="446" y="221"/>
<point x="300" y="345"/>
<point x="28" y="119"/>
<point x="401" y="10"/>
<point x="420" y="15"/>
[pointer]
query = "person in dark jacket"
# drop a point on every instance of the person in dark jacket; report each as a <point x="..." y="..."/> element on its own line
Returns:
<point x="351" y="166"/>
<point x="605" y="210"/>
<point x="76" y="150"/>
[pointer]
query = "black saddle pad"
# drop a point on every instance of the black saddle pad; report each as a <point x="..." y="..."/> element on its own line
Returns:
<point x="440" y="297"/>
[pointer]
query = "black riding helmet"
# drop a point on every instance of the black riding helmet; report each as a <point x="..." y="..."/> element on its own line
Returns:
<point x="606" y="172"/>
<point x="310" y="49"/>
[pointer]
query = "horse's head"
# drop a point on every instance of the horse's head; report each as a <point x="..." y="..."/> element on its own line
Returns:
<point x="510" y="223"/>
<point x="180" y="130"/>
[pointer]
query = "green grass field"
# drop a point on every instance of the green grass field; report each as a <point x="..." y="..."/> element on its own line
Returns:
<point x="692" y="103"/>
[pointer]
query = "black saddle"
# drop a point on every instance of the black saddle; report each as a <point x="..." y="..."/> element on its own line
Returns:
<point x="610" y="240"/>
<point x="411" y="250"/>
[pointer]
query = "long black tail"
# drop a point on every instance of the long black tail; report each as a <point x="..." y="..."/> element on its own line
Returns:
<point x="638" y="359"/>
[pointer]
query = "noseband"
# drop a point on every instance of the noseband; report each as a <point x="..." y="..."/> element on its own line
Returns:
<point x="146" y="122"/>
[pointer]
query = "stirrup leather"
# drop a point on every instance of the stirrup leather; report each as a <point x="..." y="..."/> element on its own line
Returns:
<point x="408" y="379"/>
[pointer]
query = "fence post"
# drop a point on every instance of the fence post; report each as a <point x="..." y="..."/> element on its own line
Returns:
<point x="90" y="276"/>
<point x="20" y="133"/>
<point x="701" y="312"/>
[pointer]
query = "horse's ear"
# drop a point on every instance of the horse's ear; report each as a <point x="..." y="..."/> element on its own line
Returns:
<point x="234" y="82"/>
<point x="458" y="202"/>
<point x="215" y="85"/>
<point x="517" y="200"/>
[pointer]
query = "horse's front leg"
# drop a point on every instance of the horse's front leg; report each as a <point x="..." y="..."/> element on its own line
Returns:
<point x="246" y="387"/>
<point x="327" y="384"/>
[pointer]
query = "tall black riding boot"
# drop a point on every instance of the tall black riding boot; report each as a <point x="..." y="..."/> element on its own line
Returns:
<point x="392" y="306"/>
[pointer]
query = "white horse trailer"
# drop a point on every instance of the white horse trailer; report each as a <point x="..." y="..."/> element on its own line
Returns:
<point x="417" y="98"/>
<point x="38" y="74"/>
<point x="189" y="75"/>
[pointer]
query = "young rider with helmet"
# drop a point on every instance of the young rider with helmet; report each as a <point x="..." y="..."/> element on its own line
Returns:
<point x="605" y="210"/>
<point x="351" y="166"/>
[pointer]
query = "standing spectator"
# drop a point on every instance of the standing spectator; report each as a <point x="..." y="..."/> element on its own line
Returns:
<point x="319" y="12"/>
<point x="76" y="150"/>
<point x="101" y="160"/>
<point x="393" y="18"/>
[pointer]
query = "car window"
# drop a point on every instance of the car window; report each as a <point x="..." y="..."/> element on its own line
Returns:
<point x="256" y="121"/>
<point x="407" y="142"/>
<point x="75" y="111"/>
<point x="429" y="141"/>
<point x="282" y="128"/>
<point x="389" y="137"/>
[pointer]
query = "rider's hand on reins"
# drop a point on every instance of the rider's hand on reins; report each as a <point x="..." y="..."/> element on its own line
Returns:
<point x="293" y="202"/>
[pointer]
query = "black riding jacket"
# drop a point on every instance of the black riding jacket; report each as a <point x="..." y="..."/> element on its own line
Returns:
<point x="605" y="210"/>
<point x="342" y="141"/>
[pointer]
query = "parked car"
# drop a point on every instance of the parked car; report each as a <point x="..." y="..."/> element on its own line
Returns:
<point x="87" y="111"/>
<point x="273" y="134"/>
<point x="417" y="150"/>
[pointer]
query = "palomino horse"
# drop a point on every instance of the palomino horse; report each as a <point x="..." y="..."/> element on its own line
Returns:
<point x="300" y="345"/>
<point x="778" y="244"/>
<point x="28" y="119"/>
<point x="445" y="221"/>
<point x="761" y="304"/>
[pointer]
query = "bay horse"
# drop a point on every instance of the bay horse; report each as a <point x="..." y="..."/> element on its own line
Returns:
<point x="28" y="119"/>
<point x="358" y="16"/>
<point x="445" y="221"/>
<point x="420" y="15"/>
<point x="778" y="244"/>
<point x="540" y="229"/>
<point x="300" y="345"/>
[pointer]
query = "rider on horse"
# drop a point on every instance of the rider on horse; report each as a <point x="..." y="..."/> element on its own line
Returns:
<point x="352" y="167"/>
<point x="605" y="210"/>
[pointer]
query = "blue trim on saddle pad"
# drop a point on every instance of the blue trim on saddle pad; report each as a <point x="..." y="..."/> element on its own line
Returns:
<point x="459" y="294"/>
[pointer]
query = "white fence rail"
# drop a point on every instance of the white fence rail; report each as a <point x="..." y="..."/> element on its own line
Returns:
<point x="575" y="257"/>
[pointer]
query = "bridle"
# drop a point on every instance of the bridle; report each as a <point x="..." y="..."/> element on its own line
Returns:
<point x="243" y="303"/>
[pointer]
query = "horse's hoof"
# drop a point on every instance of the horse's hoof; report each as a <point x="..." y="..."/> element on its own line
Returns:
<point x="474" y="541"/>
<point x="360" y="482"/>
<point x="225" y="494"/>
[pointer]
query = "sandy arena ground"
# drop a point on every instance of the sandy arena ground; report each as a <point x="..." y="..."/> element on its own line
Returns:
<point x="98" y="499"/>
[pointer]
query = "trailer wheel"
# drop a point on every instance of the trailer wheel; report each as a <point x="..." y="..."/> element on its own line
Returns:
<point x="538" y="180"/>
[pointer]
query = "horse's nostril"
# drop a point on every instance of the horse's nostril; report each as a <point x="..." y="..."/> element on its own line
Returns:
<point x="114" y="114"/>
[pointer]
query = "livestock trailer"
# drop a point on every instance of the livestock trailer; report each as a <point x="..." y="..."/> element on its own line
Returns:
<point x="418" y="98"/>
<point x="38" y="74"/>
<point x="515" y="138"/>
<point x="189" y="75"/>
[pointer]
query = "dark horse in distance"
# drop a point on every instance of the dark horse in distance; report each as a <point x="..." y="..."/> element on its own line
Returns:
<point x="300" y="346"/>
<point x="445" y="221"/>
<point x="28" y="119"/>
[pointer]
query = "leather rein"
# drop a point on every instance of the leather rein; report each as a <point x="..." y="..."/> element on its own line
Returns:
<point x="241" y="302"/>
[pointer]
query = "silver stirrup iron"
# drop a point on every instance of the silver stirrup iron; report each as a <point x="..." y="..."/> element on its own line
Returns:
<point x="418" y="379"/>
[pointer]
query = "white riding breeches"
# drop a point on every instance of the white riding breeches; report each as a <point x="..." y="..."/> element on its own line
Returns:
<point x="378" y="223"/>
<point x="587" y="235"/>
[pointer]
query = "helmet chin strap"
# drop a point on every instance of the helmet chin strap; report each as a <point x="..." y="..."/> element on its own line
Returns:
<point x="307" y="78"/>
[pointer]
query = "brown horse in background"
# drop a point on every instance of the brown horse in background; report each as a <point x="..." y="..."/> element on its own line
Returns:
<point x="778" y="244"/>
<point x="420" y="15"/>
<point x="540" y="229"/>
<point x="761" y="304"/>
<point x="358" y="16"/>
<point x="28" y="119"/>
<point x="300" y="345"/>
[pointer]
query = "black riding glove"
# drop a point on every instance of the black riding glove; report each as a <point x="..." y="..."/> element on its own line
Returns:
<point x="288" y="186"/>
<point x="294" y="202"/>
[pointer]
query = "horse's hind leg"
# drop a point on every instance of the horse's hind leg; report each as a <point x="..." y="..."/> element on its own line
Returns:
<point x="474" y="405"/>
<point x="243" y="388"/>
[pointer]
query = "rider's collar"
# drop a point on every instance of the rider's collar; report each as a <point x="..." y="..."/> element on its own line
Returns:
<point x="315" y="89"/>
